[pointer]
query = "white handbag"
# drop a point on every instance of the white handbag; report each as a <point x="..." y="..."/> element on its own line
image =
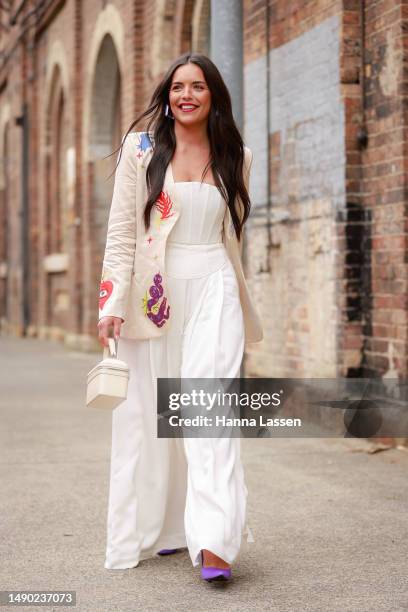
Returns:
<point x="107" y="382"/>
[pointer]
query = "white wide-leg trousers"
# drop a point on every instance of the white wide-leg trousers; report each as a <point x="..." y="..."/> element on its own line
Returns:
<point x="178" y="492"/>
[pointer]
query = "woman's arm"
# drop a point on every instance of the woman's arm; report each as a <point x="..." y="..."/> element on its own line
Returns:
<point x="121" y="236"/>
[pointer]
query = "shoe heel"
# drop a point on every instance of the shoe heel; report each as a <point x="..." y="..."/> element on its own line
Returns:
<point x="214" y="573"/>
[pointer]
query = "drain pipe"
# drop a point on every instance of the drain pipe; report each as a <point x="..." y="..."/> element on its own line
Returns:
<point x="23" y="122"/>
<point x="362" y="135"/>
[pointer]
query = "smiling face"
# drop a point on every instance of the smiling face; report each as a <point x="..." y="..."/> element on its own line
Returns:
<point x="190" y="97"/>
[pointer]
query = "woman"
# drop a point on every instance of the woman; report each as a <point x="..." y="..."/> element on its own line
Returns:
<point x="173" y="289"/>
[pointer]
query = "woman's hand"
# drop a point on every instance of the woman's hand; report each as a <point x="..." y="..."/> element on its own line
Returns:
<point x="104" y="326"/>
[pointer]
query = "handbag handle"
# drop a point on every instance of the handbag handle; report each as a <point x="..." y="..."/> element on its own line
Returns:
<point x="112" y="349"/>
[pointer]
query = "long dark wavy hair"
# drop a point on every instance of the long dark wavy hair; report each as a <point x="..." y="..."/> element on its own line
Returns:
<point x="226" y="144"/>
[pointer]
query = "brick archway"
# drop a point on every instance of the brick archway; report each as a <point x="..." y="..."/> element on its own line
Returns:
<point x="183" y="26"/>
<point x="55" y="137"/>
<point x="105" y="108"/>
<point x="104" y="137"/>
<point x="4" y="221"/>
<point x="56" y="218"/>
<point x="101" y="135"/>
<point x="186" y="33"/>
<point x="106" y="61"/>
<point x="201" y="30"/>
<point x="5" y="118"/>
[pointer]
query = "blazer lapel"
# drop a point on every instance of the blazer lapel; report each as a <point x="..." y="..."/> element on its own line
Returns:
<point x="172" y="202"/>
<point x="169" y="187"/>
<point x="168" y="203"/>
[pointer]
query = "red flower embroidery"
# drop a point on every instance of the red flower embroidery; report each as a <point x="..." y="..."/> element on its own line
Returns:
<point x="105" y="292"/>
<point x="164" y="205"/>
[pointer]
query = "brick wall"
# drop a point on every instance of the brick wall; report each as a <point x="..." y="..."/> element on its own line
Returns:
<point x="327" y="239"/>
<point x="295" y="125"/>
<point x="384" y="187"/>
<point x="325" y="244"/>
<point x="67" y="56"/>
<point x="58" y="56"/>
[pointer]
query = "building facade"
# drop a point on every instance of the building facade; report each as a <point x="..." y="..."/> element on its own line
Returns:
<point x="319" y="89"/>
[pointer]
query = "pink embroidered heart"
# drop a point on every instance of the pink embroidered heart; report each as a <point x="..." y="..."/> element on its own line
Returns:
<point x="105" y="292"/>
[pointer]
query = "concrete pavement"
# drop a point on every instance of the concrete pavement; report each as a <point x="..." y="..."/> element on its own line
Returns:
<point x="329" y="521"/>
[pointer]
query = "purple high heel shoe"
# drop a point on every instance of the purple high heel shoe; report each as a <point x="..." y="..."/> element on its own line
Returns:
<point x="214" y="573"/>
<point x="167" y="551"/>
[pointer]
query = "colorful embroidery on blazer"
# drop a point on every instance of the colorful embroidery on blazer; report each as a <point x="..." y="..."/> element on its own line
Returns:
<point x="164" y="206"/>
<point x="152" y="308"/>
<point x="145" y="142"/>
<point x="105" y="291"/>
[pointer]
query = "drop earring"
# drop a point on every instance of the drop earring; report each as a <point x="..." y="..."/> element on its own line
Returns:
<point x="166" y="112"/>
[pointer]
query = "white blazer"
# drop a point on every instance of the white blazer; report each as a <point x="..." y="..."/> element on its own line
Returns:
<point x="133" y="269"/>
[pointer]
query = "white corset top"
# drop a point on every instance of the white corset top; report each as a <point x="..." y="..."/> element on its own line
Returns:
<point x="202" y="212"/>
<point x="194" y="246"/>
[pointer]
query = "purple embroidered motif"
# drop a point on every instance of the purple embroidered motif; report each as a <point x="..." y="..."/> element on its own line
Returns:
<point x="156" y="313"/>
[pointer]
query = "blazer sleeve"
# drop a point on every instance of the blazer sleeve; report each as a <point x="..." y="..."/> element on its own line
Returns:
<point x="246" y="175"/>
<point x="120" y="246"/>
<point x="248" y="164"/>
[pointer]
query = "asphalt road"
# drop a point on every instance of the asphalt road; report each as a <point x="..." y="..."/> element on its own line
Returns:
<point x="328" y="520"/>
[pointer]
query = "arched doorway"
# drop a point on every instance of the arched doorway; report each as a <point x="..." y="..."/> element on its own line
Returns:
<point x="4" y="231"/>
<point x="105" y="131"/>
<point x="201" y="27"/>
<point x="195" y="27"/>
<point x="56" y="259"/>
